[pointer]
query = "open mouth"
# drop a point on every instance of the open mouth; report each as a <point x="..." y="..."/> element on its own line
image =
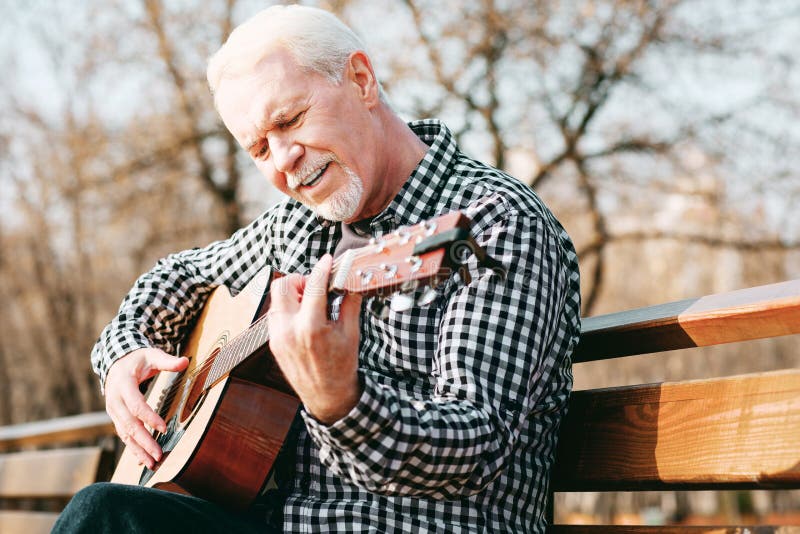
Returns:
<point x="315" y="177"/>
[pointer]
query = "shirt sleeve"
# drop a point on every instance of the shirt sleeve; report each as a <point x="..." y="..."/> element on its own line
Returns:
<point x="499" y="342"/>
<point x="163" y="302"/>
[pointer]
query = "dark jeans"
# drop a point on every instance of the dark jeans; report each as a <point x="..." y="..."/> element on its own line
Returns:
<point x="106" y="507"/>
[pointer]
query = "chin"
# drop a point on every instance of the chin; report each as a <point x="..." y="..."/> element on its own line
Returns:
<point x="343" y="204"/>
<point x="334" y="214"/>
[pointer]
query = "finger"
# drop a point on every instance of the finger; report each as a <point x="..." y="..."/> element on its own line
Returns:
<point x="279" y="328"/>
<point x="350" y="311"/>
<point x="142" y="411"/>
<point x="158" y="360"/>
<point x="315" y="294"/>
<point x="138" y="452"/>
<point x="138" y="408"/>
<point x="128" y="429"/>
<point x="285" y="293"/>
<point x="135" y="432"/>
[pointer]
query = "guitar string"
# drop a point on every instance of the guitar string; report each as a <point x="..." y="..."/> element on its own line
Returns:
<point x="231" y="348"/>
<point x="252" y="327"/>
<point x="175" y="388"/>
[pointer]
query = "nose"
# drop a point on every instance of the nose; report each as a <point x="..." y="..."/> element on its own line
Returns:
<point x="285" y="152"/>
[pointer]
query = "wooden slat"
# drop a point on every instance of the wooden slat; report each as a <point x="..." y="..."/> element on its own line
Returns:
<point x="627" y="529"/>
<point x="61" y="430"/>
<point x="736" y="432"/>
<point x="754" y="313"/>
<point x="50" y="473"/>
<point x="18" y="522"/>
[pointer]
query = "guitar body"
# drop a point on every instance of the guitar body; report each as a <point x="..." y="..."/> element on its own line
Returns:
<point x="221" y="441"/>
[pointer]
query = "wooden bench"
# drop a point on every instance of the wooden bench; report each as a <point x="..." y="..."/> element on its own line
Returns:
<point x="36" y="484"/>
<point x="737" y="432"/>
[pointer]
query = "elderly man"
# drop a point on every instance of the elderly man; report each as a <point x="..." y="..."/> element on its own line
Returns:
<point x="440" y="418"/>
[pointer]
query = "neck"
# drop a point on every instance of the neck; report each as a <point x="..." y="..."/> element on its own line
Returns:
<point x="403" y="151"/>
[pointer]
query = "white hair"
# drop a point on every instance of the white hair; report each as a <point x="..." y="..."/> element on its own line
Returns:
<point x="315" y="38"/>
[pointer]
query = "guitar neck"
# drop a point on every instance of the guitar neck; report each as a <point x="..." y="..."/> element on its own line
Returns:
<point x="410" y="257"/>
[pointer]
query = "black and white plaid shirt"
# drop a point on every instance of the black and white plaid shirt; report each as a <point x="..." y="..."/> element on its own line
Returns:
<point x="456" y="427"/>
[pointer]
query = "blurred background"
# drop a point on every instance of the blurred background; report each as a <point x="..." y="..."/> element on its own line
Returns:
<point x="665" y="135"/>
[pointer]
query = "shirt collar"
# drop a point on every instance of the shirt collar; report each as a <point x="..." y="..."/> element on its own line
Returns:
<point x="417" y="199"/>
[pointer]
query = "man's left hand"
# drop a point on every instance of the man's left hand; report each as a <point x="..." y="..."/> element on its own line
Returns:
<point x="319" y="357"/>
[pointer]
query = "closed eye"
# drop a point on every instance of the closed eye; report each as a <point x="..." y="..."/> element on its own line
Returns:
<point x="262" y="151"/>
<point x="294" y="120"/>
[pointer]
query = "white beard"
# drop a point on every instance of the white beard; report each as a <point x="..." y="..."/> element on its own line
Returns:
<point x="342" y="204"/>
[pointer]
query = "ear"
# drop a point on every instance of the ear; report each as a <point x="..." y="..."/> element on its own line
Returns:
<point x="360" y="74"/>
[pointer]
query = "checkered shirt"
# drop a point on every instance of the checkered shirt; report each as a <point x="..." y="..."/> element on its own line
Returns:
<point x="457" y="424"/>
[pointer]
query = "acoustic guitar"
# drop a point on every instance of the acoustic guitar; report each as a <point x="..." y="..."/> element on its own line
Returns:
<point x="229" y="412"/>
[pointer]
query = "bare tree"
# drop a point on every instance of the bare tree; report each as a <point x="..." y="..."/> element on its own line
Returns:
<point x="569" y="84"/>
<point x="198" y="123"/>
<point x="98" y="192"/>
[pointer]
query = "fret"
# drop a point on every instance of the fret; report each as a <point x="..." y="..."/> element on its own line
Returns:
<point x="238" y="350"/>
<point x="251" y="344"/>
<point x="224" y="364"/>
<point x="261" y="331"/>
<point x="242" y="349"/>
<point x="212" y="373"/>
<point x="230" y="356"/>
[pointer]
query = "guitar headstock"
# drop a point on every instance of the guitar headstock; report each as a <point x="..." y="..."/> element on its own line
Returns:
<point x="397" y="264"/>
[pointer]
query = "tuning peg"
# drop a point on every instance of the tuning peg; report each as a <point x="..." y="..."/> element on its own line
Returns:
<point x="409" y="286"/>
<point x="415" y="263"/>
<point x="379" y="244"/>
<point x="427" y="297"/>
<point x="379" y="309"/>
<point x="403" y="235"/>
<point x="401" y="302"/>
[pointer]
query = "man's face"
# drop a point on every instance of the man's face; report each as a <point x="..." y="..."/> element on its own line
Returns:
<point x="310" y="138"/>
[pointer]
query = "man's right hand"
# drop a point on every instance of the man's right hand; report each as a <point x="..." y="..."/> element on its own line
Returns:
<point x="127" y="406"/>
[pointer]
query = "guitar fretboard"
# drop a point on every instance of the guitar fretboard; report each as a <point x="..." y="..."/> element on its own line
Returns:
<point x="238" y="350"/>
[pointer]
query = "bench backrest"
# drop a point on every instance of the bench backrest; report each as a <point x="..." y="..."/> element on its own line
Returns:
<point x="721" y="433"/>
<point x="45" y="479"/>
